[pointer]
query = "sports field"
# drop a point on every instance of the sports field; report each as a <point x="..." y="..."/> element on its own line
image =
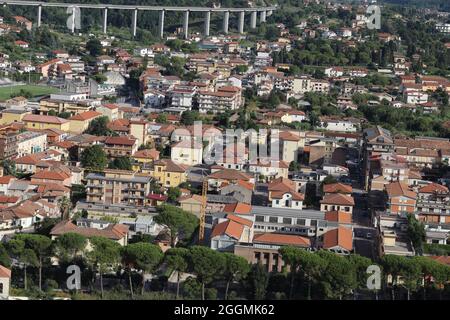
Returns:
<point x="6" y="92"/>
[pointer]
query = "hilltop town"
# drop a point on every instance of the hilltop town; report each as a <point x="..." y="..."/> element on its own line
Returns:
<point x="142" y="159"/>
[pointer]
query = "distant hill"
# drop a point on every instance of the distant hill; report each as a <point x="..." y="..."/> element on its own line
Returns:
<point x="442" y="5"/>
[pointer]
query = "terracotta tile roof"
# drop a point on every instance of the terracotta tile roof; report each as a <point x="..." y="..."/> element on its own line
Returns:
<point x="295" y="195"/>
<point x="338" y="199"/>
<point x="338" y="216"/>
<point x="237" y="208"/>
<point x="288" y="136"/>
<point x="240" y="220"/>
<point x="113" y="231"/>
<point x="398" y="189"/>
<point x="229" y="174"/>
<point x="246" y="185"/>
<point x="441" y="259"/>
<point x="156" y="196"/>
<point x="126" y="141"/>
<point x="337" y="188"/>
<point x="4" y="272"/>
<point x="171" y="166"/>
<point x="85" y="115"/>
<point x="281" y="184"/>
<point x="434" y="188"/>
<point x="147" y="154"/>
<point x="6" y="179"/>
<point x="63" y="144"/>
<point x="341" y="237"/>
<point x="51" y="175"/>
<point x="44" y="119"/>
<point x="229" y="228"/>
<point x="8" y="199"/>
<point x="281" y="239"/>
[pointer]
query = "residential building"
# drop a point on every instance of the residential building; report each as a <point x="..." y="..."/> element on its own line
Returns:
<point x="117" y="187"/>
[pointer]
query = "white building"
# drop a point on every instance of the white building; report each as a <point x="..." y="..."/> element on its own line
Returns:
<point x="31" y="142"/>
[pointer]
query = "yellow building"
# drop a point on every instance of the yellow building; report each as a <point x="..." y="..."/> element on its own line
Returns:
<point x="13" y="115"/>
<point x="57" y="106"/>
<point x="143" y="159"/>
<point x="34" y="121"/>
<point x="80" y="122"/>
<point x="168" y="173"/>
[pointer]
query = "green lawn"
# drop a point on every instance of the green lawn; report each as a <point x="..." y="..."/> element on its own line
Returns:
<point x="5" y="92"/>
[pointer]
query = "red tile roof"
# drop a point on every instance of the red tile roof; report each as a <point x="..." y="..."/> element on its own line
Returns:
<point x="398" y="189"/>
<point x="147" y="154"/>
<point x="229" y="174"/>
<point x="240" y="220"/>
<point x="338" y="199"/>
<point x="6" y="179"/>
<point x="126" y="140"/>
<point x="51" y="175"/>
<point x="337" y="188"/>
<point x="434" y="188"/>
<point x="44" y="119"/>
<point x="85" y="115"/>
<point x="237" y="208"/>
<point x="339" y="237"/>
<point x="338" y="216"/>
<point x="4" y="272"/>
<point x="229" y="228"/>
<point x="281" y="239"/>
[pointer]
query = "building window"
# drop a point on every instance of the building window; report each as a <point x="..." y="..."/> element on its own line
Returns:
<point x="259" y="218"/>
<point x="287" y="220"/>
<point x="301" y="222"/>
<point x="273" y="219"/>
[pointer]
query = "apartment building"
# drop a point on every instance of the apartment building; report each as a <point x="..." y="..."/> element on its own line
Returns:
<point x="124" y="146"/>
<point x="31" y="142"/>
<point x="225" y="98"/>
<point x="117" y="187"/>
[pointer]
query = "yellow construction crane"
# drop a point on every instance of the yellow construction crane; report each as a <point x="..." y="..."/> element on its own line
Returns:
<point x="201" y="231"/>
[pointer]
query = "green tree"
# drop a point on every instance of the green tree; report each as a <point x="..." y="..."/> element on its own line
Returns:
<point x="392" y="266"/>
<point x="105" y="255"/>
<point x="94" y="47"/>
<point x="173" y="193"/>
<point x="206" y="264"/>
<point x="176" y="259"/>
<point x="41" y="247"/>
<point x="181" y="224"/>
<point x="339" y="275"/>
<point x="5" y="259"/>
<point x="144" y="257"/>
<point x="360" y="264"/>
<point x="188" y="117"/>
<point x="236" y="269"/>
<point x="258" y="280"/>
<point x="161" y="118"/>
<point x="121" y="163"/>
<point x="312" y="266"/>
<point x="25" y="257"/>
<point x="94" y="158"/>
<point x="69" y="246"/>
<point x="99" y="127"/>
<point x="416" y="233"/>
<point x="9" y="168"/>
<point x="291" y="256"/>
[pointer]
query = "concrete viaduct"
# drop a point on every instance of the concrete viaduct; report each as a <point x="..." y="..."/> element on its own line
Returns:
<point x="241" y="12"/>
